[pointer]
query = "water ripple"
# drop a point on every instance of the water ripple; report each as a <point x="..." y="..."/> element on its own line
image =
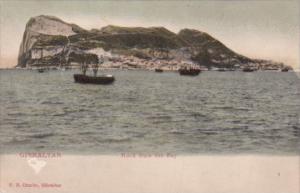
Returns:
<point x="142" y="111"/>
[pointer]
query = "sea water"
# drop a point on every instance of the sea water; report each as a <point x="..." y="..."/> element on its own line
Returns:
<point x="148" y="112"/>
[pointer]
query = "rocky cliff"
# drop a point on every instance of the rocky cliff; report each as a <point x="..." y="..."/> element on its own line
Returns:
<point x="49" y="41"/>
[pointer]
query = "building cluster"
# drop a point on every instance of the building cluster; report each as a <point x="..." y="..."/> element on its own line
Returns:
<point x="131" y="62"/>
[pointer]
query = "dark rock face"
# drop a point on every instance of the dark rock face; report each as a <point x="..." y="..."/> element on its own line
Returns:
<point x="210" y="52"/>
<point x="49" y="41"/>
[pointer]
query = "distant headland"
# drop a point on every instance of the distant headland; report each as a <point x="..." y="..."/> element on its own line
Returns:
<point x="50" y="42"/>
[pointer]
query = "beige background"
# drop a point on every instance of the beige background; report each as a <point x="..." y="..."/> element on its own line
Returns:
<point x="183" y="174"/>
<point x="263" y="29"/>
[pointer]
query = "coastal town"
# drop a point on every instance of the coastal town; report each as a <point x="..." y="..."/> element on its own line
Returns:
<point x="135" y="63"/>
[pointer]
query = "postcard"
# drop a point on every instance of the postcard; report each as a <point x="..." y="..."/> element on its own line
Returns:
<point x="149" y="96"/>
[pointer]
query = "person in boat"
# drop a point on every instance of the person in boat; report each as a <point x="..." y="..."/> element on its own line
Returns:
<point x="84" y="68"/>
<point x="95" y="66"/>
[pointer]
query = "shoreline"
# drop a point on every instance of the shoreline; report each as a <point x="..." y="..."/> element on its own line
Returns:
<point x="143" y="69"/>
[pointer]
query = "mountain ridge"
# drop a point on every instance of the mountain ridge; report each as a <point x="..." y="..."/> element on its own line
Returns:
<point x="48" y="41"/>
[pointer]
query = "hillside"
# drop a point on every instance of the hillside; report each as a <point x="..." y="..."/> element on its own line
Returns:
<point x="49" y="41"/>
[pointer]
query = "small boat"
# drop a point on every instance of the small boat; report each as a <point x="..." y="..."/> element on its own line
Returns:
<point x="158" y="70"/>
<point x="84" y="79"/>
<point x="248" y="70"/>
<point x="41" y="70"/>
<point x="284" y="70"/>
<point x="189" y="72"/>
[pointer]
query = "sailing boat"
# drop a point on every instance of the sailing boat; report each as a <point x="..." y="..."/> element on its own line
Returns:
<point x="189" y="70"/>
<point x="41" y="70"/>
<point x="84" y="79"/>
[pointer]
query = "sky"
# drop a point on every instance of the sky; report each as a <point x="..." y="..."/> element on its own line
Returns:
<point x="265" y="29"/>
